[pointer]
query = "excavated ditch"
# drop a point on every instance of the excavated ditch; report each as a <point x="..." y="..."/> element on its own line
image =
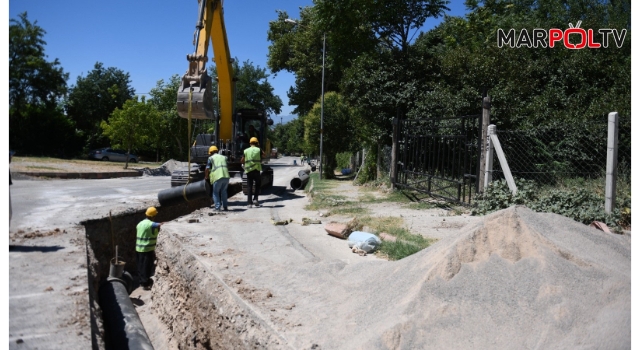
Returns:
<point x="209" y="316"/>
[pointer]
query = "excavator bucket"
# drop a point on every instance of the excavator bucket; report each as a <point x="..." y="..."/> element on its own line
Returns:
<point x="201" y="97"/>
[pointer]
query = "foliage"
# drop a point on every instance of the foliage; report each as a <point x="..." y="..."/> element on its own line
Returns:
<point x="94" y="97"/>
<point x="37" y="123"/>
<point x="579" y="203"/>
<point x="132" y="126"/>
<point x="253" y="90"/>
<point x="338" y="134"/>
<point x="170" y="135"/>
<point x="343" y="160"/>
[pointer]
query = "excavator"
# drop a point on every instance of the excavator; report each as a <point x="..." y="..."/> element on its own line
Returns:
<point x="196" y="102"/>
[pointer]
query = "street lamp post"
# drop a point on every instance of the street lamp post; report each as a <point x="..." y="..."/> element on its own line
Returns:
<point x="324" y="41"/>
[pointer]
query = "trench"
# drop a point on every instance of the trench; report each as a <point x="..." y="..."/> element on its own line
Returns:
<point x="212" y="316"/>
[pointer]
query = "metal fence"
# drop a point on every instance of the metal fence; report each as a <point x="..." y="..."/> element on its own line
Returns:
<point x="440" y="156"/>
<point x="552" y="154"/>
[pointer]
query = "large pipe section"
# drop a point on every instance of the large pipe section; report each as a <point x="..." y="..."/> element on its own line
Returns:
<point x="123" y="327"/>
<point x="298" y="183"/>
<point x="181" y="194"/>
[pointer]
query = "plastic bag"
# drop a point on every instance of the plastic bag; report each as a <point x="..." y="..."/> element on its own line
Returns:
<point x="364" y="240"/>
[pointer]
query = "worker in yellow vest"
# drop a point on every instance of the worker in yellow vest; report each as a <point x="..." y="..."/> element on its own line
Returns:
<point x="147" y="234"/>
<point x="252" y="161"/>
<point x="218" y="175"/>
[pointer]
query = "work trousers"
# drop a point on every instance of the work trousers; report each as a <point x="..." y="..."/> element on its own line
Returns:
<point x="146" y="267"/>
<point x="253" y="178"/>
<point x="220" y="192"/>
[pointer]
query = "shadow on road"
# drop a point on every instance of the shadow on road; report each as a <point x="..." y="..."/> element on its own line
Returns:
<point x="27" y="248"/>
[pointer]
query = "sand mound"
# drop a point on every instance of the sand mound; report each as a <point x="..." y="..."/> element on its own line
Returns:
<point x="519" y="279"/>
<point x="505" y="234"/>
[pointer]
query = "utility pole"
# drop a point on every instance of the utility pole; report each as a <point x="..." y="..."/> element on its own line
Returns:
<point x="324" y="40"/>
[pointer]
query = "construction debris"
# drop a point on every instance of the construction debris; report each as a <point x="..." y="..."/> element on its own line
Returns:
<point x="337" y="230"/>
<point x="307" y="221"/>
<point x="280" y="222"/>
<point x="600" y="226"/>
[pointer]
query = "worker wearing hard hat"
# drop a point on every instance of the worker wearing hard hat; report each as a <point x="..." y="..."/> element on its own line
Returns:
<point x="146" y="247"/>
<point x="218" y="175"/>
<point x="252" y="161"/>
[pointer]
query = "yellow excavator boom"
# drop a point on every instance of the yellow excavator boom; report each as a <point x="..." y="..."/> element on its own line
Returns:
<point x="196" y="87"/>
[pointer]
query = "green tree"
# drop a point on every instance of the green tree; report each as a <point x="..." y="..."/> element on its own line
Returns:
<point x="94" y="97"/>
<point x="37" y="124"/>
<point x="339" y="133"/>
<point x="170" y="136"/>
<point x="132" y="126"/>
<point x="253" y="90"/>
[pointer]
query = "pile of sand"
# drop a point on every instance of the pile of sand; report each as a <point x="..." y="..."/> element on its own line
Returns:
<point x="165" y="169"/>
<point x="518" y="279"/>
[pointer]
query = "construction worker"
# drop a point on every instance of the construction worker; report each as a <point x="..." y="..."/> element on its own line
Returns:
<point x="146" y="247"/>
<point x="252" y="161"/>
<point x="218" y="175"/>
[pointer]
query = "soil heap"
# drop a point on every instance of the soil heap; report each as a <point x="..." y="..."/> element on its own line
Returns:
<point x="518" y="279"/>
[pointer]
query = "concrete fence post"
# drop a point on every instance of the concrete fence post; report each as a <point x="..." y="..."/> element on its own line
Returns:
<point x="486" y="119"/>
<point x="612" y="163"/>
<point x="394" y="151"/>
<point x="495" y="142"/>
<point x="488" y="176"/>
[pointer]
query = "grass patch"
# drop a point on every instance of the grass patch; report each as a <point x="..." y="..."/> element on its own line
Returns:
<point x="406" y="244"/>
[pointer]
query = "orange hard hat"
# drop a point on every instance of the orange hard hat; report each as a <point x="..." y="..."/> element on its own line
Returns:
<point x="254" y="140"/>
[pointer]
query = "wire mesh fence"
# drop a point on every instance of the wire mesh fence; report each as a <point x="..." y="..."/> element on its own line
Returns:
<point x="552" y="154"/>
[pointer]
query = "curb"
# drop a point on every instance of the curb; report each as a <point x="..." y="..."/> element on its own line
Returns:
<point x="82" y="175"/>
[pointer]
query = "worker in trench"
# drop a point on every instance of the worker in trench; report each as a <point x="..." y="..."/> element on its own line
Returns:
<point x="252" y="161"/>
<point x="146" y="247"/>
<point x="217" y="174"/>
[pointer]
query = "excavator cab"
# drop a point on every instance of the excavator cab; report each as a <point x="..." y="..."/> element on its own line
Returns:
<point x="248" y="123"/>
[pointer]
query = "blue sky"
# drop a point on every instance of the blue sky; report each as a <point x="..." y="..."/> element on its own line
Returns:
<point x="150" y="39"/>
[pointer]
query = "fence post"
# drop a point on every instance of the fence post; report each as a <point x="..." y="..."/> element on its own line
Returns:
<point x="378" y="160"/>
<point x="503" y="160"/>
<point x="612" y="163"/>
<point x="394" y="151"/>
<point x="488" y="176"/>
<point x="486" y="119"/>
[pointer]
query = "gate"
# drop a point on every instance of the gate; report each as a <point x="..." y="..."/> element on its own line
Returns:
<point x="440" y="156"/>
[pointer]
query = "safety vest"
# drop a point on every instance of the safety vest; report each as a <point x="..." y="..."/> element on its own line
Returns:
<point x="146" y="237"/>
<point x="252" y="159"/>
<point x="219" y="168"/>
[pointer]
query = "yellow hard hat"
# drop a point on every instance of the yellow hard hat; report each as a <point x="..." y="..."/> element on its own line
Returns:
<point x="151" y="212"/>
<point x="213" y="149"/>
<point x="253" y="140"/>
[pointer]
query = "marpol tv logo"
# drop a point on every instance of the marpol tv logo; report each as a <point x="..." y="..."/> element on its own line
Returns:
<point x="573" y="38"/>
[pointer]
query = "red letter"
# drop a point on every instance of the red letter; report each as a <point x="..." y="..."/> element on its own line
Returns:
<point x="554" y="35"/>
<point x="583" y="38"/>
<point x="592" y="45"/>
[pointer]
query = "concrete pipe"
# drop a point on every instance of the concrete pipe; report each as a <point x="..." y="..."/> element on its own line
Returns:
<point x="298" y="183"/>
<point x="123" y="328"/>
<point x="181" y="194"/>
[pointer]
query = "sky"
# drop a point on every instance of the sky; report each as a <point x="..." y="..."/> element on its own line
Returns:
<point x="150" y="39"/>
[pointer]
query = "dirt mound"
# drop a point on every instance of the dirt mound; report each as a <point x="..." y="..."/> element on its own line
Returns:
<point x="505" y="234"/>
<point x="519" y="279"/>
<point x="165" y="169"/>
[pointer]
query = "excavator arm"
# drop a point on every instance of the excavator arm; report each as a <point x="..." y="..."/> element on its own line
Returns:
<point x="195" y="90"/>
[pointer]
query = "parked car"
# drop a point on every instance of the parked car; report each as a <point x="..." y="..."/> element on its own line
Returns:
<point x="114" y="155"/>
